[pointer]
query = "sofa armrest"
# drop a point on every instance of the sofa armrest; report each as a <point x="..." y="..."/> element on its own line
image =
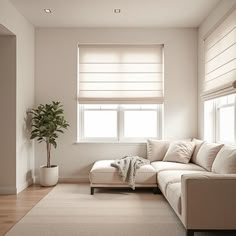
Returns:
<point x="208" y="201"/>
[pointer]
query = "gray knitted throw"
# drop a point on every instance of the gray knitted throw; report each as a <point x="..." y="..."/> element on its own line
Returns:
<point x="128" y="166"/>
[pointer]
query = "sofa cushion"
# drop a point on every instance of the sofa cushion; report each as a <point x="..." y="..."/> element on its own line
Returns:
<point x="225" y="161"/>
<point x="103" y="173"/>
<point x="165" y="178"/>
<point x="164" y="165"/>
<point x="173" y="195"/>
<point x="156" y="149"/>
<point x="198" y="144"/>
<point x="180" y="151"/>
<point x="207" y="154"/>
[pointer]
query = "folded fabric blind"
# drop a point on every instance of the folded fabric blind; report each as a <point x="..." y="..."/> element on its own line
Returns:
<point x="220" y="59"/>
<point x="120" y="74"/>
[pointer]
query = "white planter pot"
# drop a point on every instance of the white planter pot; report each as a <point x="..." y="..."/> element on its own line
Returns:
<point x="48" y="176"/>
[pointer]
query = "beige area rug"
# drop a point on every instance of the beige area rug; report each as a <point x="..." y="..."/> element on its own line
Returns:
<point x="70" y="210"/>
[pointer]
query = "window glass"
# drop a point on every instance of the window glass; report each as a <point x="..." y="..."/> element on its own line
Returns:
<point x="100" y="124"/>
<point x="231" y="99"/>
<point x="226" y="124"/>
<point x="140" y="124"/>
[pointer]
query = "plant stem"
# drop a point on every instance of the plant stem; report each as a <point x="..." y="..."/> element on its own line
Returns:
<point x="48" y="154"/>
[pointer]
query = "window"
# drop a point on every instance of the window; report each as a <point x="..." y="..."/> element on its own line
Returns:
<point x="219" y="120"/>
<point x="219" y="82"/>
<point x="119" y="122"/>
<point x="120" y="92"/>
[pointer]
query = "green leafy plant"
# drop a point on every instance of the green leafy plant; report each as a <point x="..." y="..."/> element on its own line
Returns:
<point x="47" y="123"/>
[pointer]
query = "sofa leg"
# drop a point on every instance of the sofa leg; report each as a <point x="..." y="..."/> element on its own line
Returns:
<point x="156" y="190"/>
<point x="92" y="191"/>
<point x="189" y="232"/>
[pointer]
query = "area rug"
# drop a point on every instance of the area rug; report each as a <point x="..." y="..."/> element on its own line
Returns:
<point x="70" y="210"/>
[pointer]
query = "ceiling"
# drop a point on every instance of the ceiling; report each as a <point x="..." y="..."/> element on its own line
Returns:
<point x="100" y="13"/>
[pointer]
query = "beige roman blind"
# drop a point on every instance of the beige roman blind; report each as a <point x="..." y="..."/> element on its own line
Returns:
<point x="220" y="59"/>
<point x="120" y="74"/>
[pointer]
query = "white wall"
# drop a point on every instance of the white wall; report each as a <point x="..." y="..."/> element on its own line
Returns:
<point x="56" y="79"/>
<point x="214" y="18"/>
<point x="24" y="93"/>
<point x="8" y="114"/>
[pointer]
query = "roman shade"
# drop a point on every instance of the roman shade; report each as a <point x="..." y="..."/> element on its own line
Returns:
<point x="120" y="74"/>
<point x="220" y="59"/>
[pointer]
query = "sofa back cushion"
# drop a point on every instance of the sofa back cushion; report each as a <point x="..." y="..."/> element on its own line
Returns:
<point x="156" y="149"/>
<point x="180" y="151"/>
<point x="225" y="161"/>
<point x="198" y="144"/>
<point x="207" y="154"/>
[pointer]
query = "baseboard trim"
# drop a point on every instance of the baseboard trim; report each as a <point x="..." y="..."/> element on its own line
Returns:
<point x="10" y="190"/>
<point x="68" y="179"/>
<point x="76" y="179"/>
<point x="24" y="185"/>
<point x="34" y="179"/>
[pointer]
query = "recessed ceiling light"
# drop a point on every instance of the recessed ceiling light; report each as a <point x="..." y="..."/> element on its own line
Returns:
<point x="117" y="10"/>
<point x="47" y="10"/>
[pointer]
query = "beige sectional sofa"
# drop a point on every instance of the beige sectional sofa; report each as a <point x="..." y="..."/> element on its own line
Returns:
<point x="201" y="191"/>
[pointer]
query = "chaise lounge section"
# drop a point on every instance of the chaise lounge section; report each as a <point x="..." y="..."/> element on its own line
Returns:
<point x="103" y="175"/>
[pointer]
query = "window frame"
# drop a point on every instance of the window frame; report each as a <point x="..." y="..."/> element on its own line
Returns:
<point x="80" y="135"/>
<point x="120" y="125"/>
<point x="215" y="119"/>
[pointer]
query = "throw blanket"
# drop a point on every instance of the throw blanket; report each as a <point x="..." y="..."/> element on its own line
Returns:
<point x="127" y="167"/>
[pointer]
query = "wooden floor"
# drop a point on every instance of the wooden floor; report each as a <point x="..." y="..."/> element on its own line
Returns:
<point x="15" y="207"/>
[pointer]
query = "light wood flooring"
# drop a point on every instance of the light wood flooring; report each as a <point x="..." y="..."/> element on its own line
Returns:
<point x="15" y="207"/>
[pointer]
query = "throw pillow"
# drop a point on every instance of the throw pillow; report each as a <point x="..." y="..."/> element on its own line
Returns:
<point x="198" y="144"/>
<point x="156" y="149"/>
<point x="207" y="154"/>
<point x="225" y="162"/>
<point x="180" y="151"/>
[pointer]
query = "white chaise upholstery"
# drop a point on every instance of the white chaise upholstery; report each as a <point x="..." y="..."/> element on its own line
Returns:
<point x="103" y="174"/>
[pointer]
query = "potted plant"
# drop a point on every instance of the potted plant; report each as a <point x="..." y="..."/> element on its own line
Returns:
<point x="47" y="123"/>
